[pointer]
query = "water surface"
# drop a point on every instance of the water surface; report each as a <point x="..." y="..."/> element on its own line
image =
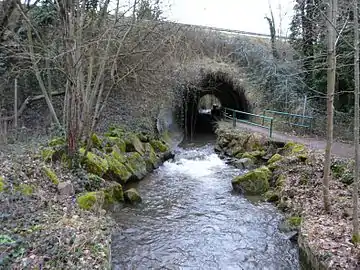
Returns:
<point x="191" y="219"/>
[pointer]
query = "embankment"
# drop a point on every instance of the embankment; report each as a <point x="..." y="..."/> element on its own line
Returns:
<point x="290" y="176"/>
<point x="53" y="210"/>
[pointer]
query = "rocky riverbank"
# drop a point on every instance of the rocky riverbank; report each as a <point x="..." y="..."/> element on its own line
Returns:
<point x="290" y="176"/>
<point x="54" y="216"/>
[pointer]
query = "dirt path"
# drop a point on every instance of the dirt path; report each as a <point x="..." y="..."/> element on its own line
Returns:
<point x="338" y="149"/>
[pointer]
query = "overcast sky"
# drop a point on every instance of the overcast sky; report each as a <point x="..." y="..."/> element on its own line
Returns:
<point x="246" y="15"/>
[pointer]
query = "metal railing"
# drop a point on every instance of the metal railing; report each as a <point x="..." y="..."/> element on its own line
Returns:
<point x="234" y="115"/>
<point x="290" y="116"/>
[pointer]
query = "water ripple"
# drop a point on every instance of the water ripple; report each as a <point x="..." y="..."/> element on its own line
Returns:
<point x="189" y="219"/>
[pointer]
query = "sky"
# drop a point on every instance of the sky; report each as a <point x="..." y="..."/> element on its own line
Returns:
<point x="245" y="15"/>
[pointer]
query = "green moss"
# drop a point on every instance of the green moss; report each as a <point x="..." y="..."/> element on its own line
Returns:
<point x="275" y="158"/>
<point x="136" y="165"/>
<point x="113" y="194"/>
<point x="25" y="189"/>
<point x="51" y="175"/>
<point x="294" y="148"/>
<point x="338" y="168"/>
<point x="94" y="164"/>
<point x="255" y="182"/>
<point x="280" y="181"/>
<point x="151" y="159"/>
<point x="294" y="221"/>
<point x="117" y="154"/>
<point x="96" y="141"/>
<point x="159" y="146"/>
<point x="2" y="184"/>
<point x="116" y="131"/>
<point x="89" y="200"/>
<point x="253" y="155"/>
<point x="132" y="196"/>
<point x="120" y="143"/>
<point x="117" y="170"/>
<point x="355" y="239"/>
<point x="272" y="196"/>
<point x="57" y="141"/>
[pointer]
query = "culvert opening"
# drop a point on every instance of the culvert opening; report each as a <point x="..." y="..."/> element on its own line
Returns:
<point x="204" y="103"/>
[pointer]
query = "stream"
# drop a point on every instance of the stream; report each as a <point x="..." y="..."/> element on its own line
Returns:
<point x="191" y="219"/>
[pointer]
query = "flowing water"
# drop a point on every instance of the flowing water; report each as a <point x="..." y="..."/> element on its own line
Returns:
<point x="191" y="219"/>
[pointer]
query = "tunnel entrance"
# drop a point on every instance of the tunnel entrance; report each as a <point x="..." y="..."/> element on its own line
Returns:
<point x="204" y="103"/>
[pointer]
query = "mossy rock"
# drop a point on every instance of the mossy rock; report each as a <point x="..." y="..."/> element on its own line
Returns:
<point x="159" y="146"/>
<point x="57" y="141"/>
<point x="236" y="151"/>
<point x="295" y="148"/>
<point x="109" y="142"/>
<point x="137" y="165"/>
<point x="275" y="158"/>
<point x="93" y="163"/>
<point x="151" y="159"/>
<point x="113" y="194"/>
<point x="255" y="142"/>
<point x="272" y="196"/>
<point x="2" y="183"/>
<point x="133" y="144"/>
<point x="117" y="170"/>
<point x="25" y="189"/>
<point x="132" y="196"/>
<point x="253" y="155"/>
<point x="91" y="200"/>
<point x="51" y="175"/>
<point x="116" y="131"/>
<point x="255" y="182"/>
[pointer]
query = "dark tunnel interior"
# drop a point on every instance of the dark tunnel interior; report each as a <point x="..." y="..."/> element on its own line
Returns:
<point x="225" y="91"/>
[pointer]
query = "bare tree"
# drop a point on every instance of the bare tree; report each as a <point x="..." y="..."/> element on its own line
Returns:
<point x="331" y="72"/>
<point x="355" y="234"/>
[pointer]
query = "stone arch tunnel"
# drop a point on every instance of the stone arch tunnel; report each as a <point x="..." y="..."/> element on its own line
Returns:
<point x="227" y="92"/>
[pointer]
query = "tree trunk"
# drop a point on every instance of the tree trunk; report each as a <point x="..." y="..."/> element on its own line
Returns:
<point x="331" y="72"/>
<point x="355" y="234"/>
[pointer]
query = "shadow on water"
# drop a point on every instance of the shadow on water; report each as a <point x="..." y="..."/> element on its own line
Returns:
<point x="190" y="219"/>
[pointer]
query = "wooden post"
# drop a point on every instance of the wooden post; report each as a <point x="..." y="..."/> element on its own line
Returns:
<point x="234" y="119"/>
<point x="16" y="104"/>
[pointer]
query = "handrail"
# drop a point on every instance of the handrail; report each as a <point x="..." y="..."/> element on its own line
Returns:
<point x="234" y="118"/>
<point x="292" y="115"/>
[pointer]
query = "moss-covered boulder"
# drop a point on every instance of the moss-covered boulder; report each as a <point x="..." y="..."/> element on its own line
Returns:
<point x="117" y="170"/>
<point x="51" y="175"/>
<point x="94" y="163"/>
<point x="159" y="146"/>
<point x="255" y="182"/>
<point x="109" y="142"/>
<point x="113" y="194"/>
<point x="272" y="196"/>
<point x="2" y="183"/>
<point x="255" y="142"/>
<point x="275" y="158"/>
<point x="136" y="165"/>
<point x="132" y="196"/>
<point x="151" y="159"/>
<point x="91" y="200"/>
<point x="133" y="144"/>
<point x="296" y="149"/>
<point x="254" y="155"/>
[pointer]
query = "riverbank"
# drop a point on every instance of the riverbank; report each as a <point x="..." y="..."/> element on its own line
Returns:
<point x="53" y="216"/>
<point x="290" y="176"/>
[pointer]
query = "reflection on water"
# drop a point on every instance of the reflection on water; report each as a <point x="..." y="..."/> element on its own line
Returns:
<point x="190" y="219"/>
